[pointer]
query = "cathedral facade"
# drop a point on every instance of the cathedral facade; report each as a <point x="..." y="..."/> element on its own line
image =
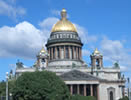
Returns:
<point x="64" y="57"/>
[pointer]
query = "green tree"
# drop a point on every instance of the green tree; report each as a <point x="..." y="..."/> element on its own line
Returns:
<point x="3" y="88"/>
<point x="124" y="98"/>
<point x="80" y="97"/>
<point x="40" y="86"/>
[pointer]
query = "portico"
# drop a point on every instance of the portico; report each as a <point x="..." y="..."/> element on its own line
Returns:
<point x="81" y="83"/>
<point x="84" y="89"/>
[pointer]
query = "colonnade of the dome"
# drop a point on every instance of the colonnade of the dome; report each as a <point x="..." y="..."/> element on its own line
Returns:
<point x="64" y="52"/>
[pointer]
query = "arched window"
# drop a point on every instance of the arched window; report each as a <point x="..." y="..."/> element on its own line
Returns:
<point x="43" y="60"/>
<point x="97" y="62"/>
<point x="111" y="95"/>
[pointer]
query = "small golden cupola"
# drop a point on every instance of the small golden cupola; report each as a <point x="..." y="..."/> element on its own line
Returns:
<point x="96" y="51"/>
<point x="63" y="24"/>
<point x="43" y="50"/>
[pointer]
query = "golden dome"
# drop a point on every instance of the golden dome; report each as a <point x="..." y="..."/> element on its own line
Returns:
<point x="64" y="24"/>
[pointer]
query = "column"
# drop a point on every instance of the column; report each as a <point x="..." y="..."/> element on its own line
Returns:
<point x="49" y="52"/>
<point x="69" y="52"/>
<point x="93" y="62"/>
<point x="52" y="52"/>
<point x="60" y="52"/>
<point x="76" y="52"/>
<point x="71" y="89"/>
<point x="78" y="89"/>
<point x="80" y="53"/>
<point x="73" y="52"/>
<point x="56" y="53"/>
<point x="123" y="91"/>
<point x="84" y="89"/>
<point x="64" y="52"/>
<point x="97" y="92"/>
<point x="91" y="88"/>
<point x="101" y="62"/>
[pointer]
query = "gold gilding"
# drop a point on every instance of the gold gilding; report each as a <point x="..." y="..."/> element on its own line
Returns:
<point x="96" y="51"/>
<point x="43" y="50"/>
<point x="64" y="24"/>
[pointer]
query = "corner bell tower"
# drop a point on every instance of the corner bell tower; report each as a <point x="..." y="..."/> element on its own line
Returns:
<point x="42" y="58"/>
<point x="96" y="59"/>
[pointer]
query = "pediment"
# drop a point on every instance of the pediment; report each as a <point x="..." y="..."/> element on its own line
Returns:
<point x="78" y="75"/>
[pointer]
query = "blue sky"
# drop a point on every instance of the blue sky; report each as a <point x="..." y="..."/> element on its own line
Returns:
<point x="26" y="24"/>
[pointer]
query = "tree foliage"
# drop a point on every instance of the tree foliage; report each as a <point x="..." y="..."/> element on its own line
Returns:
<point x="124" y="98"/>
<point x="40" y="86"/>
<point x="2" y="88"/>
<point x="80" y="97"/>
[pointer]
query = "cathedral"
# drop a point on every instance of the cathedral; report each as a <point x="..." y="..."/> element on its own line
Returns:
<point x="63" y="55"/>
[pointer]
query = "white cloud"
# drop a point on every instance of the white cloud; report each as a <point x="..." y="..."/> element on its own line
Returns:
<point x="11" y="1"/>
<point x="55" y="12"/>
<point x="48" y="23"/>
<point x="83" y="33"/>
<point x="114" y="50"/>
<point x="10" y="10"/>
<point x="86" y="52"/>
<point x="24" y="40"/>
<point x="124" y="68"/>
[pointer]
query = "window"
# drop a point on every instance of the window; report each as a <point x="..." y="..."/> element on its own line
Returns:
<point x="97" y="62"/>
<point x="43" y="60"/>
<point x="111" y="95"/>
<point x="119" y="75"/>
